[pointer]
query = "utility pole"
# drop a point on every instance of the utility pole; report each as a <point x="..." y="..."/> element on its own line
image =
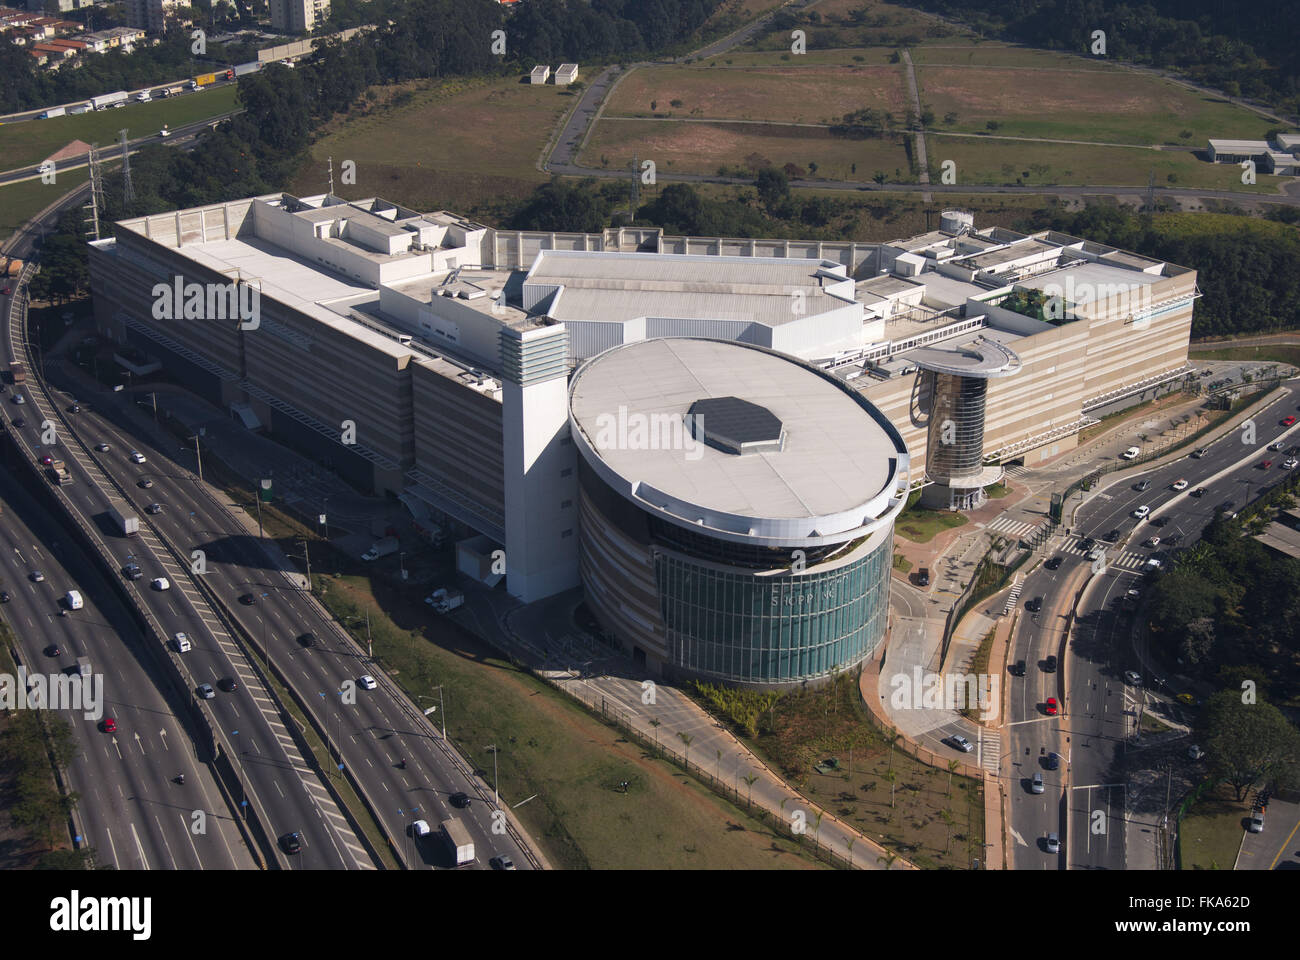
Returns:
<point x="331" y="168"/>
<point x="306" y="555"/>
<point x="128" y="191"/>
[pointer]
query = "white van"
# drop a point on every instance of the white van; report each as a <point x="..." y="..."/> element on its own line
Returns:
<point x="73" y="599"/>
<point x="1131" y="453"/>
<point x="182" y="643"/>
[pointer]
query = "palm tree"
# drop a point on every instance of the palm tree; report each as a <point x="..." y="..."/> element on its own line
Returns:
<point x="848" y="846"/>
<point x="891" y="739"/>
<point x="817" y="827"/>
<point x="952" y="767"/>
<point x="749" y="779"/>
<point x="946" y="817"/>
<point x="887" y="858"/>
<point x="686" y="738"/>
<point x="891" y="778"/>
<point x="655" y="723"/>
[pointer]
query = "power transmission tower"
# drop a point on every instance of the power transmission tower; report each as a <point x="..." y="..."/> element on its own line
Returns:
<point x="96" y="192"/>
<point x="128" y="191"/>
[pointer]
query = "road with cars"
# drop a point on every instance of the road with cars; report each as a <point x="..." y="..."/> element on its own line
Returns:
<point x="131" y="809"/>
<point x="1108" y="682"/>
<point x="376" y="729"/>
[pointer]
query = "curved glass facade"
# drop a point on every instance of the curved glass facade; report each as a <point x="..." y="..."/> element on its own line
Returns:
<point x="739" y="627"/>
<point x="955" y="442"/>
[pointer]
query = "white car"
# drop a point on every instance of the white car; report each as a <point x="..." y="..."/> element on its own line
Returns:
<point x="1290" y="463"/>
<point x="367" y="682"/>
<point x="420" y="828"/>
<point x="138" y="457"/>
<point x="1141" y="512"/>
<point x="164" y="132"/>
<point x="1180" y="485"/>
<point x="1153" y="542"/>
<point x="1133" y="677"/>
<point x="19" y="398"/>
<point x="1131" y="453"/>
<point x="1153" y="564"/>
<point x="1194" y="752"/>
<point x="182" y="643"/>
<point x="161" y="583"/>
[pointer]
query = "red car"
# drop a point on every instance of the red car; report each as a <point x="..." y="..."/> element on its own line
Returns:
<point x="7" y="290"/>
<point x="110" y="725"/>
<point x="46" y="460"/>
<point x="1051" y="706"/>
<point x="1288" y="421"/>
<point x="1265" y="464"/>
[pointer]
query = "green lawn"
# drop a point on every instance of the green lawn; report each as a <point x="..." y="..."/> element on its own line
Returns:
<point x="1281" y="352"/>
<point x="921" y="525"/>
<point x="32" y="141"/>
<point x="1211" y="832"/>
<point x="19" y="202"/>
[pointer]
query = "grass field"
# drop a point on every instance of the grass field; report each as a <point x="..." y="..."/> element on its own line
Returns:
<point x="1211" y="832"/>
<point x="1281" y="352"/>
<point x="972" y="54"/>
<point x="838" y="56"/>
<point x="33" y="140"/>
<point x="456" y="143"/>
<point x="702" y="147"/>
<point x="1116" y="106"/>
<point x="883" y="24"/>
<point x="987" y="161"/>
<point x="19" y="202"/>
<point x="798" y="93"/>
<point x="921" y="526"/>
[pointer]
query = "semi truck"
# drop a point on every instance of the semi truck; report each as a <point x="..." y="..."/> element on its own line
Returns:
<point x="445" y="599"/>
<point x="381" y="548"/>
<point x="53" y="112"/>
<point x="173" y="91"/>
<point x="58" y="473"/>
<point x="202" y="80"/>
<point x="244" y="69"/>
<point x="125" y="521"/>
<point x="458" y="839"/>
<point x="109" y="100"/>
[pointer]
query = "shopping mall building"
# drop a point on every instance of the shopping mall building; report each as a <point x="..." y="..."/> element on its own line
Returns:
<point x="467" y="371"/>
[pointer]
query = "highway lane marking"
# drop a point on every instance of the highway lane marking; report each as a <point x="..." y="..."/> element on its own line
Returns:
<point x="139" y="848"/>
<point x="167" y="846"/>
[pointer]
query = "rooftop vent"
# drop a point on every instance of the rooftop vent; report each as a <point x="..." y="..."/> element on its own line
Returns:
<point x="736" y="426"/>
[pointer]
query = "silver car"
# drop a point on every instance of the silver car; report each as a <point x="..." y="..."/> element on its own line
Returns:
<point x="1053" y="843"/>
<point x="1036" y="785"/>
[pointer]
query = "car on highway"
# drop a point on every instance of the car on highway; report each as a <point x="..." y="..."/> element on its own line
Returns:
<point x="4" y="596"/>
<point x="307" y="639"/>
<point x="1018" y="668"/>
<point x="1131" y="453"/>
<point x="161" y="583"/>
<point x="1052" y="761"/>
<point x="1179" y="485"/>
<point x="1051" y="706"/>
<point x="138" y="457"/>
<point x="228" y="684"/>
<point x="53" y="650"/>
<point x="1187" y="699"/>
<point x="1049" y="665"/>
<point x="1265" y="464"/>
<point x="1142" y="485"/>
<point x="366" y="682"/>
<point x="1034" y="605"/>
<point x="1275" y="445"/>
<point x="103" y="447"/>
<point x="1036" y="784"/>
<point x="958" y="742"/>
<point x="7" y="290"/>
<point x="154" y="508"/>
<point x="1133" y="594"/>
<point x="19" y="398"/>
<point x="1096" y="553"/>
<point x="1200" y="492"/>
<point x="247" y="599"/>
<point x="1087" y="543"/>
<point x="46" y="460"/>
<point x="1288" y="421"/>
<point x="1111" y="536"/>
<point x="459" y="800"/>
<point x="75" y="408"/>
<point x="1256" y="824"/>
<point x="20" y="423"/>
<point x="132" y="572"/>
<point x="1201" y="452"/>
<point x="182" y="643"/>
<point x="109" y="725"/>
<point x="1053" y="563"/>
<point x="1152" y="542"/>
<point x="1053" y="843"/>
<point x="501" y="863"/>
<point x="291" y="843"/>
<point x="1153" y="564"/>
<point x="1290" y="463"/>
<point x="36" y="576"/>
<point x="145" y="484"/>
<point x="1133" y="677"/>
<point x="164" y="132"/>
<point x="1142" y="512"/>
<point x="420" y="828"/>
<point x="205" y="691"/>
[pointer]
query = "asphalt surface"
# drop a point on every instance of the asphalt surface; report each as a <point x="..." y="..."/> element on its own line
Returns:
<point x="129" y="809"/>
<point x="1100" y="708"/>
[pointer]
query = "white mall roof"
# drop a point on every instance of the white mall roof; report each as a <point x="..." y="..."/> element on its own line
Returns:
<point x="836" y="472"/>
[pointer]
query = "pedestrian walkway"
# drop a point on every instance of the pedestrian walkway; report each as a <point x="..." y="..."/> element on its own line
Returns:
<point x="1012" y="527"/>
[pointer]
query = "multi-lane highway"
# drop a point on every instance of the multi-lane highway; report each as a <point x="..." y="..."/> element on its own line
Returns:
<point x="130" y="809"/>
<point x="1084" y="799"/>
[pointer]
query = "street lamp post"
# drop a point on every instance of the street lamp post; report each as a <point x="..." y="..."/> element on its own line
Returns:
<point x="441" y="709"/>
<point x="495" y="792"/>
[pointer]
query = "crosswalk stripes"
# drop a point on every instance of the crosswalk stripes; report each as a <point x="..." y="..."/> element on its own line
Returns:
<point x="1014" y="596"/>
<point x="990" y="750"/>
<point x="1018" y="472"/>
<point x="1012" y="528"/>
<point x="1124" y="560"/>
